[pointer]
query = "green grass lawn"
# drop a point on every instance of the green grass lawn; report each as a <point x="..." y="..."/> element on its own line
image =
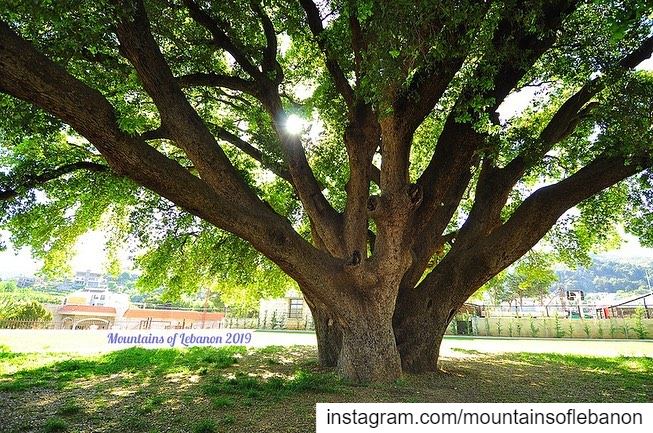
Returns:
<point x="275" y="389"/>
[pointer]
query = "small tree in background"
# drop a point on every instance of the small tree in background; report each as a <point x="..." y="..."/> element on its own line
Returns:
<point x="531" y="277"/>
<point x="23" y="314"/>
<point x="8" y="286"/>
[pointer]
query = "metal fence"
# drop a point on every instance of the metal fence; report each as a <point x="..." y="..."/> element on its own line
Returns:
<point x="277" y="320"/>
<point x="273" y="321"/>
<point x="170" y="306"/>
<point x="565" y="311"/>
<point x="33" y="324"/>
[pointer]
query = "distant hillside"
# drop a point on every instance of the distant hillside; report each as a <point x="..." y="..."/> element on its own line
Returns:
<point x="605" y="275"/>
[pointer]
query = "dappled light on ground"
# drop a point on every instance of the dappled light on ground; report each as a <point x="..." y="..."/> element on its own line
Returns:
<point x="275" y="389"/>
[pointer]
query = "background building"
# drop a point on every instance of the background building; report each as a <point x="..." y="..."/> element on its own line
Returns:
<point x="289" y="312"/>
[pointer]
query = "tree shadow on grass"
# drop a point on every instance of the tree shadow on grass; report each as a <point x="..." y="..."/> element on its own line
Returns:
<point x="545" y="377"/>
<point x="136" y="360"/>
<point x="275" y="389"/>
<point x="141" y="390"/>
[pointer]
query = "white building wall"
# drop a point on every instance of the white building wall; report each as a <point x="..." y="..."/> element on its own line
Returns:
<point x="273" y="313"/>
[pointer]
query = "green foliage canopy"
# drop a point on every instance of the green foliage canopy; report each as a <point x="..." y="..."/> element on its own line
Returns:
<point x="48" y="211"/>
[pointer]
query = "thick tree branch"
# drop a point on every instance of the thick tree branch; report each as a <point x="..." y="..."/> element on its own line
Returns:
<point x="495" y="184"/>
<point x="265" y="87"/>
<point x="217" y="80"/>
<point x="253" y="152"/>
<point x="178" y="117"/>
<point x="484" y="258"/>
<point x="190" y="133"/>
<point x="640" y="54"/>
<point x="574" y="109"/>
<point x="338" y="76"/>
<point x="426" y="89"/>
<point x="506" y="77"/>
<point x="578" y="106"/>
<point x="270" y="63"/>
<point x="430" y="81"/>
<point x="28" y="75"/>
<point x="517" y="49"/>
<point x="325" y="218"/>
<point x="362" y="138"/>
<point x="358" y="43"/>
<point x="327" y="221"/>
<point x="220" y="37"/>
<point x="32" y="181"/>
<point x="540" y="211"/>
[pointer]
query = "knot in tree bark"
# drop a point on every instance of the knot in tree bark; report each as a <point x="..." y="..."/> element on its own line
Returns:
<point x="355" y="259"/>
<point x="373" y="203"/>
<point x="415" y="194"/>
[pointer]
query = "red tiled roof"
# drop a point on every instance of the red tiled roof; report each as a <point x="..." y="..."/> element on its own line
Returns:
<point x="143" y="313"/>
<point x="87" y="309"/>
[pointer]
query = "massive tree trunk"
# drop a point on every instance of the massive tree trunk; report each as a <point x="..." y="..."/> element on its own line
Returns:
<point x="420" y="323"/>
<point x="422" y="313"/>
<point x="369" y="352"/>
<point x="355" y="333"/>
<point x="328" y="333"/>
<point x="353" y="325"/>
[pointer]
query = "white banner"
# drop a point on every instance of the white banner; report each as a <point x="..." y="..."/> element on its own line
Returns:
<point x="180" y="338"/>
<point x="97" y="341"/>
<point x="469" y="417"/>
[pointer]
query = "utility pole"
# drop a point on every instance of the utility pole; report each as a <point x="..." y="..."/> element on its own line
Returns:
<point x="648" y="282"/>
<point x="206" y="304"/>
<point x="563" y="298"/>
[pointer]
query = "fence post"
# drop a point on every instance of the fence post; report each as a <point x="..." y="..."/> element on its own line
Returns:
<point x="646" y="309"/>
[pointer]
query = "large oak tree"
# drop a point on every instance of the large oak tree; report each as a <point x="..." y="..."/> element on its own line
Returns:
<point x="410" y="192"/>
